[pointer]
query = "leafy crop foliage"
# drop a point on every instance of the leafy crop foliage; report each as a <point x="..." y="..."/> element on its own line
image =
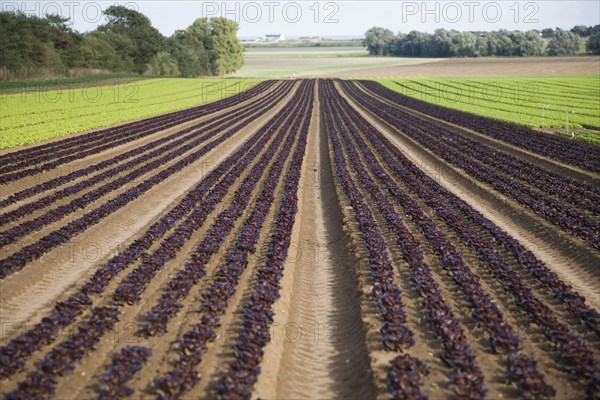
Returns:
<point x="567" y="105"/>
<point x="30" y="117"/>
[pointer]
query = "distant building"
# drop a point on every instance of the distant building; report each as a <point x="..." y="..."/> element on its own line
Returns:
<point x="274" y="37"/>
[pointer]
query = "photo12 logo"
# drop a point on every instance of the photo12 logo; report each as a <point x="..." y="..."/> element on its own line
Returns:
<point x="470" y="11"/>
<point x="88" y="11"/>
<point x="273" y="11"/>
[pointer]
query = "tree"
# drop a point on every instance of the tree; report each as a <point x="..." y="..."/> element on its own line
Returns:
<point x="378" y="41"/>
<point x="144" y="38"/>
<point x="98" y="52"/>
<point x="396" y="44"/>
<point x="533" y="44"/>
<point x="188" y="52"/>
<point x="593" y="43"/>
<point x="226" y="52"/>
<point x="465" y="43"/>
<point x="439" y="45"/>
<point x="415" y="44"/>
<point x="209" y="47"/>
<point x="33" y="43"/>
<point x="582" y="30"/>
<point x="564" y="43"/>
<point x="31" y="46"/>
<point x="547" y="33"/>
<point x="501" y="43"/>
<point x="165" y="64"/>
<point x="481" y="44"/>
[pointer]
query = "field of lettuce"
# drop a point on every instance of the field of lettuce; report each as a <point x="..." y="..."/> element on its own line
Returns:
<point x="563" y="105"/>
<point x="36" y="115"/>
<point x="299" y="238"/>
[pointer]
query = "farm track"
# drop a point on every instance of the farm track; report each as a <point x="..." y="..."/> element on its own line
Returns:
<point x="326" y="355"/>
<point x="291" y="242"/>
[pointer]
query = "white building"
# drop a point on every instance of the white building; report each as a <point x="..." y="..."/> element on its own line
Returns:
<point x="274" y="37"/>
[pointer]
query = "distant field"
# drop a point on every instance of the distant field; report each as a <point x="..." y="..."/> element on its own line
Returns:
<point x="314" y="61"/>
<point x="487" y="66"/>
<point x="542" y="102"/>
<point x="33" y="116"/>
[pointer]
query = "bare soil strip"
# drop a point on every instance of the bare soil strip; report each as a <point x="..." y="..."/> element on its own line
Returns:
<point x="322" y="341"/>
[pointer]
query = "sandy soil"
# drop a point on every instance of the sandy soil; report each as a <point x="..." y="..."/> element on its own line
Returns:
<point x="326" y="340"/>
<point x="321" y="352"/>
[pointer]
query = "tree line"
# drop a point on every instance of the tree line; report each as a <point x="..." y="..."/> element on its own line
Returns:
<point x="451" y="43"/>
<point x="126" y="43"/>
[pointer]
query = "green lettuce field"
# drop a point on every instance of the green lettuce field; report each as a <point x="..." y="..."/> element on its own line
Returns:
<point x="565" y="105"/>
<point x="35" y="116"/>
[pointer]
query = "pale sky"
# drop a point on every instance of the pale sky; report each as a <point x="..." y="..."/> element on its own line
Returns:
<point x="333" y="18"/>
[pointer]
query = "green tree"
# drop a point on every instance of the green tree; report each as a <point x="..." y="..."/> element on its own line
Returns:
<point x="188" y="51"/>
<point x="415" y="44"/>
<point x="64" y="40"/>
<point x="378" y="41"/>
<point x="226" y="51"/>
<point x="593" y="43"/>
<point x="144" y="40"/>
<point x="481" y="44"/>
<point x="533" y="44"/>
<point x="127" y="42"/>
<point x="503" y="43"/>
<point x="107" y="50"/>
<point x="165" y="64"/>
<point x="439" y="44"/>
<point x="564" y="43"/>
<point x="464" y="43"/>
<point x="582" y="30"/>
<point x="547" y="33"/>
<point x="396" y="44"/>
<point x="33" y="43"/>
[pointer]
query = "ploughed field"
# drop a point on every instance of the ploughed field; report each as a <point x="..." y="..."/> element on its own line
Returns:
<point x="302" y="239"/>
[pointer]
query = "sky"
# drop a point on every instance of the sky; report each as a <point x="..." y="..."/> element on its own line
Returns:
<point x="332" y="18"/>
